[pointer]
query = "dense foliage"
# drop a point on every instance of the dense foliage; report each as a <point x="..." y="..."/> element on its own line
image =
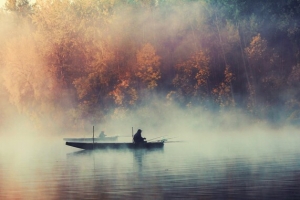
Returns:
<point x="90" y="59"/>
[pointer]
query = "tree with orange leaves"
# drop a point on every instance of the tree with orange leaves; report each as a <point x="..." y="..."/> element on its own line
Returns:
<point x="148" y="63"/>
<point x="191" y="78"/>
<point x="256" y="54"/>
<point x="223" y="93"/>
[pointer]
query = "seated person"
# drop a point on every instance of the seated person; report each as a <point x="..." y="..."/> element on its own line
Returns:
<point x="102" y="135"/>
<point x="137" y="138"/>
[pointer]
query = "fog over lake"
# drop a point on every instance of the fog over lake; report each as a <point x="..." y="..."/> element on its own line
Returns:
<point x="226" y="165"/>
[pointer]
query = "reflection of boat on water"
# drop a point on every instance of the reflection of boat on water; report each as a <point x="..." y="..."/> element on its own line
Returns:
<point x="102" y="138"/>
<point x="138" y="153"/>
<point x="91" y="146"/>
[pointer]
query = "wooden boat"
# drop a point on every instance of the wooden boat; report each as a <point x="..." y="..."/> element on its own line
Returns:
<point x="91" y="146"/>
<point x="97" y="139"/>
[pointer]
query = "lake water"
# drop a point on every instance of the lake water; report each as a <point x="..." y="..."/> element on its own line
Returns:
<point x="220" y="167"/>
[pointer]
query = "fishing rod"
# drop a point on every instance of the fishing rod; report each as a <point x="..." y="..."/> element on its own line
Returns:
<point x="165" y="139"/>
<point x="174" y="141"/>
<point x="123" y="136"/>
<point x="156" y="138"/>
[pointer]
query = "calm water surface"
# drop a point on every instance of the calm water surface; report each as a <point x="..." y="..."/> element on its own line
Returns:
<point x="219" y="168"/>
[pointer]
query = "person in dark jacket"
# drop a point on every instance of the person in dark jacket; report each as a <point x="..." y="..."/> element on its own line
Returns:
<point x="137" y="138"/>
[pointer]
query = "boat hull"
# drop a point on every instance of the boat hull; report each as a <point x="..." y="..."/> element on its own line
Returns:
<point x="91" y="139"/>
<point x="91" y="146"/>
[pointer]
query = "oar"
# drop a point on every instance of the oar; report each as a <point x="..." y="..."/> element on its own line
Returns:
<point x="93" y="137"/>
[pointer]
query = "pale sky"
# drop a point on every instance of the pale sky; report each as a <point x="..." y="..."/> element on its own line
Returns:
<point x="2" y="2"/>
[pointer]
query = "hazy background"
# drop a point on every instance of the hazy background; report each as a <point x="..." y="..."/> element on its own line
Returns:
<point x="220" y="77"/>
<point x="175" y="68"/>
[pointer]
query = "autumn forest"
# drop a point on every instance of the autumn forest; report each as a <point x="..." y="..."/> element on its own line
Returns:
<point x="98" y="59"/>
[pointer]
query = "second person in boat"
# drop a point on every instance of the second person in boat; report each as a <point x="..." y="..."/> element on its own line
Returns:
<point x="102" y="135"/>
